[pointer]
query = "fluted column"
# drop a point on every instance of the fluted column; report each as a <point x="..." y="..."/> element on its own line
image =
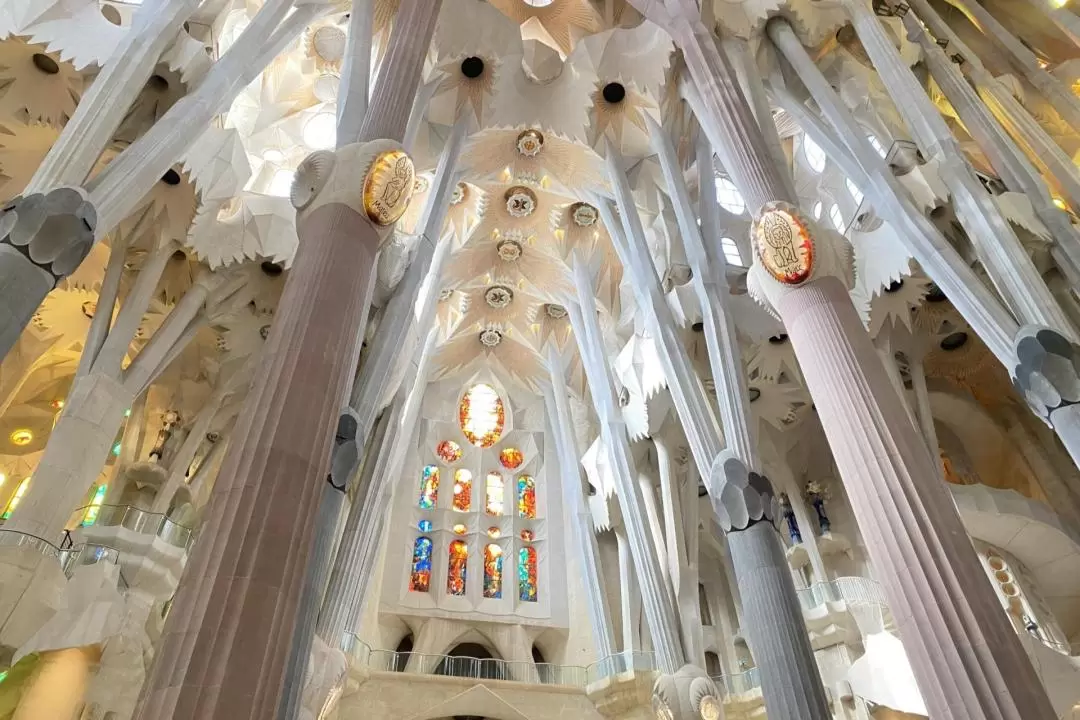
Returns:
<point x="1000" y="251"/>
<point x="225" y="645"/>
<point x="354" y="566"/>
<point x="963" y="650"/>
<point x="659" y="608"/>
<point x="782" y="673"/>
<point x="1057" y="93"/>
<point x="1007" y="159"/>
<point x="560" y="424"/>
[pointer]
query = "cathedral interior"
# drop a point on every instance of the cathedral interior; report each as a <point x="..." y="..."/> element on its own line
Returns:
<point x="539" y="359"/>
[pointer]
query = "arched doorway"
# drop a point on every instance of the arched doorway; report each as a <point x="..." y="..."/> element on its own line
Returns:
<point x="471" y="660"/>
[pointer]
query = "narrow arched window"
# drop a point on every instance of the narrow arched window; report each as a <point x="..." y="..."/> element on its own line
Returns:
<point x="455" y="576"/>
<point x="420" y="580"/>
<point x="526" y="497"/>
<point x="462" y="490"/>
<point x="494" y="494"/>
<point x="815" y="156"/>
<point x="493" y="568"/>
<point x="16" y="498"/>
<point x="429" y="487"/>
<point x="527" y="585"/>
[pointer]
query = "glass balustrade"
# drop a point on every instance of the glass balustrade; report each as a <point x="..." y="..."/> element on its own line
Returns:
<point x="144" y="522"/>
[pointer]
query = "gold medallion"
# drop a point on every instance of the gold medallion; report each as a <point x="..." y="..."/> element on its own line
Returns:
<point x="389" y="187"/>
<point x="783" y="244"/>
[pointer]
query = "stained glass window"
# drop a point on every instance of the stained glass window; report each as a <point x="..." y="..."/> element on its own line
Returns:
<point x="494" y="533"/>
<point x="493" y="567"/>
<point x="459" y="558"/>
<point x="493" y="494"/>
<point x="526" y="497"/>
<point x="528" y="535"/>
<point x="425" y="525"/>
<point x="460" y="529"/>
<point x="481" y="415"/>
<point x="511" y="458"/>
<point x="95" y="507"/>
<point x="421" y="565"/>
<point x="449" y="451"/>
<point x="462" y="490"/>
<point x="14" y="501"/>
<point x="429" y="487"/>
<point x="527" y="574"/>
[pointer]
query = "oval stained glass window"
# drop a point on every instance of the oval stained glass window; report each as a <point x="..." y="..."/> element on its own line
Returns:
<point x="511" y="458"/>
<point x="448" y="451"/>
<point x="481" y="415"/>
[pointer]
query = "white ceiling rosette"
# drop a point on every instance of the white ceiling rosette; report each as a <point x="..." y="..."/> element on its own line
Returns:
<point x="892" y="307"/>
<point x="15" y="15"/>
<point x="78" y="31"/>
<point x="641" y="55"/>
<point x="493" y="154"/>
<point x="248" y="227"/>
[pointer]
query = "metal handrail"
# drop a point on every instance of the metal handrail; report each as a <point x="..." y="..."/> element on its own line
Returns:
<point x="739" y="684"/>
<point x="16" y="538"/>
<point x="145" y="522"/>
<point x="851" y="590"/>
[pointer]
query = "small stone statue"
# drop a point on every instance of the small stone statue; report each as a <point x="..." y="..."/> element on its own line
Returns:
<point x="816" y="495"/>
<point x="789" y="516"/>
<point x="170" y="421"/>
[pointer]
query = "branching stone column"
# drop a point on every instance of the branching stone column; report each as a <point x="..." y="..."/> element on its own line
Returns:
<point x="1000" y="251"/>
<point x="1057" y="93"/>
<point x="1007" y="159"/>
<point x="224" y="649"/>
<point x="1010" y="112"/>
<point x="788" y="677"/>
<point x="976" y="304"/>
<point x="570" y="469"/>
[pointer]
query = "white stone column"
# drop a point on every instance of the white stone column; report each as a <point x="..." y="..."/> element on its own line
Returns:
<point x="106" y="102"/>
<point x="1000" y="251"/>
<point x="974" y="301"/>
<point x="659" y="610"/>
<point x="1057" y="93"/>
<point x="629" y="595"/>
<point x="1007" y="159"/>
<point x="1065" y="19"/>
<point x="560" y="424"/>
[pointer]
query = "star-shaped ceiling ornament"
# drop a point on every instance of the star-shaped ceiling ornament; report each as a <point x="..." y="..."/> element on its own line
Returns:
<point x="467" y="86"/>
<point x="35" y="85"/>
<point x="246" y="227"/>
<point x="22" y="148"/>
<point x="617" y="118"/>
<point x="79" y="31"/>
<point x="512" y="258"/>
<point x="66" y="314"/>
<point x="559" y="24"/>
<point x="469" y="348"/>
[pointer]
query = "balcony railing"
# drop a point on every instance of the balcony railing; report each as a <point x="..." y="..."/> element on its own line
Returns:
<point x="527" y="672"/>
<point x="144" y="522"/>
<point x="851" y="590"/>
<point x="69" y="558"/>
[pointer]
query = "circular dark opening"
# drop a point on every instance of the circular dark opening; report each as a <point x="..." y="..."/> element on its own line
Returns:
<point x="754" y="394"/>
<point x="171" y="178"/>
<point x="272" y="269"/>
<point x="702" y="491"/>
<point x="895" y="286"/>
<point x="845" y="34"/>
<point x="935" y="295"/>
<point x="472" y="67"/>
<point x="955" y="341"/>
<point x="938" y="212"/>
<point x="614" y="93"/>
<point x="592" y="490"/>
<point x="778" y="339"/>
<point x="45" y="64"/>
<point x="113" y="15"/>
<point x="698" y="327"/>
<point x="179" y="255"/>
<point x="158" y="83"/>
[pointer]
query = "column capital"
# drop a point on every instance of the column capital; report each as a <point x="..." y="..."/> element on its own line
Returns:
<point x="374" y="179"/>
<point x="741" y="497"/>
<point x="791" y="250"/>
<point x="1047" y="371"/>
<point x="688" y="694"/>
<point x="53" y="230"/>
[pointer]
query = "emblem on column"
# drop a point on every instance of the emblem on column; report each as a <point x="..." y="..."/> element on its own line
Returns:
<point x="782" y="241"/>
<point x="388" y="187"/>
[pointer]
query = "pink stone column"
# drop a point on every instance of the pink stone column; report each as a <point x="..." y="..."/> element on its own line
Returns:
<point x="965" y="654"/>
<point x="223" y="651"/>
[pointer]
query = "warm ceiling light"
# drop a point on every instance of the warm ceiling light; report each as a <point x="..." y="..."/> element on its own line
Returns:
<point x="320" y="132"/>
<point x="22" y="437"/>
